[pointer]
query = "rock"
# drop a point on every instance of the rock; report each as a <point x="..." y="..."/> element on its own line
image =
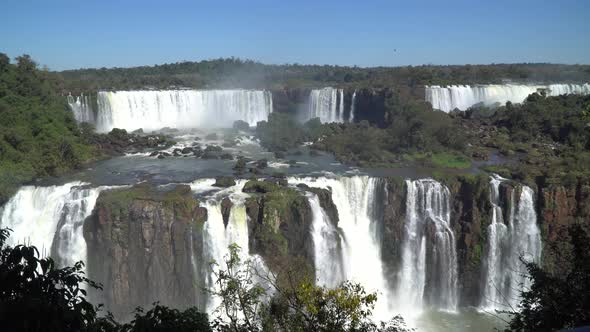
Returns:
<point x="155" y="153"/>
<point x="165" y="154"/>
<point x="279" y="155"/>
<point x="241" y="125"/>
<point x="326" y="202"/>
<point x="187" y="150"/>
<point x="226" y="206"/>
<point x="213" y="148"/>
<point x="224" y="181"/>
<point x="211" y="137"/>
<point x="226" y="156"/>
<point x="137" y="131"/>
<point x="240" y="164"/>
<point x="261" y="164"/>
<point x="139" y="248"/>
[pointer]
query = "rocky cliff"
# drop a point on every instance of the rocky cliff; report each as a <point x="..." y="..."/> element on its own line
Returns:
<point x="141" y="244"/>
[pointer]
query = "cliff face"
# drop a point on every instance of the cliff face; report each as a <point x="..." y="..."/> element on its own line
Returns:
<point x="392" y="227"/>
<point x="145" y="244"/>
<point x="369" y="103"/>
<point x="141" y="245"/>
<point x="561" y="205"/>
<point x="279" y="227"/>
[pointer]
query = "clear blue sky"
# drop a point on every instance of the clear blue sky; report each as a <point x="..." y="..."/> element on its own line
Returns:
<point x="84" y="33"/>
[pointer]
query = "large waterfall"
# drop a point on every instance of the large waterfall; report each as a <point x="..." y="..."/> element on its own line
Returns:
<point x="326" y="104"/>
<point x="81" y="106"/>
<point x="503" y="272"/>
<point x="51" y="218"/>
<point x="152" y="110"/>
<point x="355" y="199"/>
<point x="462" y="97"/>
<point x="429" y="260"/>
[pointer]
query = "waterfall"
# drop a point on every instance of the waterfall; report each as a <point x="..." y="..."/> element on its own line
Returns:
<point x="429" y="260"/>
<point x="354" y="198"/>
<point x="217" y="237"/>
<point x="352" y="106"/>
<point x="462" y="97"/>
<point x="503" y="272"/>
<point x="82" y="108"/>
<point x="51" y="219"/>
<point x="326" y="104"/>
<point x="153" y="110"/>
<point x="327" y="246"/>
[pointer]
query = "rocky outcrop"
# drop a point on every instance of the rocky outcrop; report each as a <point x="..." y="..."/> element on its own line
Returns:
<point x="560" y="205"/>
<point x="280" y="221"/>
<point x="470" y="217"/>
<point x="392" y="227"/>
<point x="142" y="244"/>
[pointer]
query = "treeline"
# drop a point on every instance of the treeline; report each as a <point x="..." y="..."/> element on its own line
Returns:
<point x="38" y="134"/>
<point x="238" y="73"/>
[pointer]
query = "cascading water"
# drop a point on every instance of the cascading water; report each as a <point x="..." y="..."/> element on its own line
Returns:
<point x="82" y="108"/>
<point x="428" y="274"/>
<point x="354" y="198"/>
<point x="462" y="97"/>
<point x="352" y="106"/>
<point x="152" y="110"/>
<point x="327" y="246"/>
<point x="504" y="273"/>
<point x="51" y="219"/>
<point x="326" y="104"/>
<point x="217" y="237"/>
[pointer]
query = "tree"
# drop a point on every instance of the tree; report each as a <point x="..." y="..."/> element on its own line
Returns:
<point x="241" y="298"/>
<point x="561" y="299"/>
<point x="254" y="299"/>
<point x="35" y="295"/>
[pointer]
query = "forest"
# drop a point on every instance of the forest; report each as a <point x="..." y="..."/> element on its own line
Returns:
<point x="238" y="73"/>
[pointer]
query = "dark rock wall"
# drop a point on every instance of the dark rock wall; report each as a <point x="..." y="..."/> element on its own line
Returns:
<point x="141" y="244"/>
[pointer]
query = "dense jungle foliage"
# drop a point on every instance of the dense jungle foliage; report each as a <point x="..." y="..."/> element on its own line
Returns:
<point x="238" y="73"/>
<point x="38" y="134"/>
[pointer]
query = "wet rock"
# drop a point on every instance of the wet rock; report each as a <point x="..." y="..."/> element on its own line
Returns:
<point x="224" y="181"/>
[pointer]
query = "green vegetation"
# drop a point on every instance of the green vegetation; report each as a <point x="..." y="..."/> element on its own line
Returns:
<point x="37" y="296"/>
<point x="560" y="299"/>
<point x="550" y="137"/>
<point x="414" y="134"/>
<point x="237" y="73"/>
<point x="38" y="135"/>
<point x="248" y="305"/>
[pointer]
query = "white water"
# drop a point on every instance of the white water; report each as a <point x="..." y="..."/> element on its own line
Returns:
<point x="326" y="104"/>
<point x="352" y="106"/>
<point x="82" y="108"/>
<point x="217" y="237"/>
<point x="428" y="276"/>
<point x="462" y="97"/>
<point x="354" y="198"/>
<point x="153" y="110"/>
<point x="503" y="273"/>
<point x="327" y="245"/>
<point x="51" y="217"/>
